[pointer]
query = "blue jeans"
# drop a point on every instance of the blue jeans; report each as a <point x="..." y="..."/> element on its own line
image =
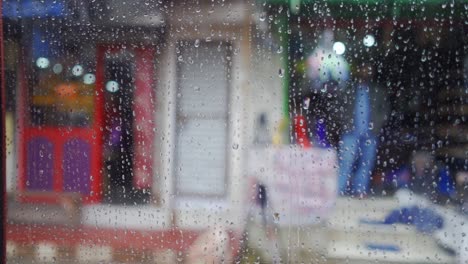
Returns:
<point x="359" y="150"/>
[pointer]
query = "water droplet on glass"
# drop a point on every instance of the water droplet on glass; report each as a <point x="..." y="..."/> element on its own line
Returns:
<point x="112" y="86"/>
<point x="407" y="137"/>
<point x="89" y="78"/>
<point x="306" y="103"/>
<point x="277" y="217"/>
<point x="440" y="143"/>
<point x="235" y="146"/>
<point x="77" y="70"/>
<point x="57" y="68"/>
<point x="281" y="73"/>
<point x="197" y="43"/>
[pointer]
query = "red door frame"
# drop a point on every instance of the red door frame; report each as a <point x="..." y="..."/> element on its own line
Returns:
<point x="2" y="146"/>
<point x="58" y="136"/>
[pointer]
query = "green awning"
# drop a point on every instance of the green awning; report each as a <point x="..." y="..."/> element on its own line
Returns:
<point x="404" y="2"/>
<point x="423" y="9"/>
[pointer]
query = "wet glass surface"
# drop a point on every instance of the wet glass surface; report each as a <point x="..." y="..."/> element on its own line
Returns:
<point x="235" y="131"/>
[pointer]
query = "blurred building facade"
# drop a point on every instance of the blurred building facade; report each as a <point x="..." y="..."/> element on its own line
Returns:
<point x="130" y="123"/>
<point x="133" y="116"/>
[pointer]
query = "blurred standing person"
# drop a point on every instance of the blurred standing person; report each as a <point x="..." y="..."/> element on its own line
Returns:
<point x="326" y="64"/>
<point x="328" y="73"/>
<point x="364" y="117"/>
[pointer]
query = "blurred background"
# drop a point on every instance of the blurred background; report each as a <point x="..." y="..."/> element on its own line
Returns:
<point x="269" y="131"/>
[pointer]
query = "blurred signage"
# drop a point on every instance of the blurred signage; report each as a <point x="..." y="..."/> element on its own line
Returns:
<point x="301" y="184"/>
<point x="33" y="8"/>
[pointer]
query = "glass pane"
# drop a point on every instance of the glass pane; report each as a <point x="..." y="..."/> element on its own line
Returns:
<point x="259" y="131"/>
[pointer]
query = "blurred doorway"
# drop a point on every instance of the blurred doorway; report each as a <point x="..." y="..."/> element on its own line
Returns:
<point x="126" y="164"/>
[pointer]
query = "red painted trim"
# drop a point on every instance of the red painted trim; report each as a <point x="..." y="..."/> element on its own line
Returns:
<point x="96" y="169"/>
<point x="3" y="145"/>
<point x="300" y="130"/>
<point x="21" y="115"/>
<point x="175" y="239"/>
<point x="116" y="238"/>
<point x="143" y="125"/>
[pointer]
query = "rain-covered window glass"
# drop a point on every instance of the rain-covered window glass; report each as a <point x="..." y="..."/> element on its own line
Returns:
<point x="245" y="131"/>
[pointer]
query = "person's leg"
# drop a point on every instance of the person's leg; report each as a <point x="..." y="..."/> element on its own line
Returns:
<point x="366" y="159"/>
<point x="346" y="156"/>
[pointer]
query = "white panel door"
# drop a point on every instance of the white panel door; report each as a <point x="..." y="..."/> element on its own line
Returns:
<point x="202" y="111"/>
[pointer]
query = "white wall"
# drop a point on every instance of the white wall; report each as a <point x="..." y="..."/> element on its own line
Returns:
<point x="11" y="170"/>
<point x="266" y="90"/>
